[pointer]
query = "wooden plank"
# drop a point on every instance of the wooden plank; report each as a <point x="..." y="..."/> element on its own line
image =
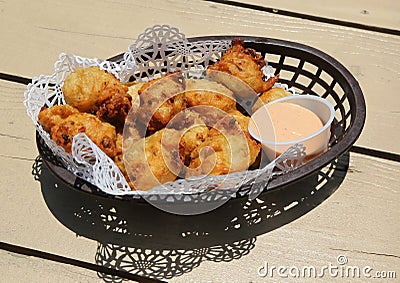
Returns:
<point x="386" y="14"/>
<point x="25" y="216"/>
<point x="19" y="268"/>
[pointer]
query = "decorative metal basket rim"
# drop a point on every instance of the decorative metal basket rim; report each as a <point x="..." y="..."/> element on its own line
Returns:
<point x="358" y="109"/>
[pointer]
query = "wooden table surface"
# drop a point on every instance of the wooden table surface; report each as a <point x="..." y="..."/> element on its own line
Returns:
<point x="47" y="231"/>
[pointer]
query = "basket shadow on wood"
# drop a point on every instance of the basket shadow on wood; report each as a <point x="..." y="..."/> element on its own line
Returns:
<point x="144" y="240"/>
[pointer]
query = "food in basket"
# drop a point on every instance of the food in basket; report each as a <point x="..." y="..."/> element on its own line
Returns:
<point x="63" y="122"/>
<point x="95" y="91"/>
<point x="228" y="148"/>
<point x="49" y="117"/>
<point x="177" y="127"/>
<point x="153" y="160"/>
<point x="204" y="92"/>
<point x="209" y="93"/>
<point x="244" y="64"/>
<point x="193" y="131"/>
<point x="167" y="148"/>
<point x="160" y="100"/>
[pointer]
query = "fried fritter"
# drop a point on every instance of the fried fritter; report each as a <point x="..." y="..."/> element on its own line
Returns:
<point x="63" y="122"/>
<point x="49" y="117"/>
<point x="193" y="131"/>
<point x="133" y="91"/>
<point x="254" y="146"/>
<point x="119" y="160"/>
<point x="270" y="95"/>
<point x="209" y="93"/>
<point x="153" y="160"/>
<point x="115" y="110"/>
<point x="228" y="148"/>
<point x="244" y="64"/>
<point x="160" y="100"/>
<point x="97" y="92"/>
<point x="161" y="156"/>
<point x="218" y="155"/>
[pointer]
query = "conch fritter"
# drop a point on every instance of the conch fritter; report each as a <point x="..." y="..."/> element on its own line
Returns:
<point x="49" y="117"/>
<point x="244" y="64"/>
<point x="153" y="160"/>
<point x="228" y="148"/>
<point x="209" y="93"/>
<point x="160" y="100"/>
<point x="63" y="122"/>
<point x="95" y="91"/>
<point x="192" y="129"/>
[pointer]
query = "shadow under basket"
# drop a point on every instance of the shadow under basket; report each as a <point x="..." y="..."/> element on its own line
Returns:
<point x="306" y="70"/>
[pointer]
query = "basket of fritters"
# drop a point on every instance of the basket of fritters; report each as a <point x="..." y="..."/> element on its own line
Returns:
<point x="168" y="117"/>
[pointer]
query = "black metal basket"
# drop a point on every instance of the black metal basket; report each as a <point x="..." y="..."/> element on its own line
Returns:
<point x="308" y="71"/>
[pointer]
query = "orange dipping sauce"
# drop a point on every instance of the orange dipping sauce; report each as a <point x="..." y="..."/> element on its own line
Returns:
<point x="291" y="122"/>
<point x="282" y="124"/>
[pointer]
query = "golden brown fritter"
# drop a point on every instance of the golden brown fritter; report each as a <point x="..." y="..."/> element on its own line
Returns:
<point x="193" y="131"/>
<point x="160" y="100"/>
<point x="133" y="91"/>
<point x="270" y="95"/>
<point x="254" y="146"/>
<point x="209" y="93"/>
<point x="218" y="155"/>
<point x="95" y="91"/>
<point x="148" y="161"/>
<point x="119" y="160"/>
<point x="183" y="134"/>
<point x="63" y="123"/>
<point x="115" y="110"/>
<point x="49" y="117"/>
<point x="244" y="64"/>
<point x="228" y="148"/>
